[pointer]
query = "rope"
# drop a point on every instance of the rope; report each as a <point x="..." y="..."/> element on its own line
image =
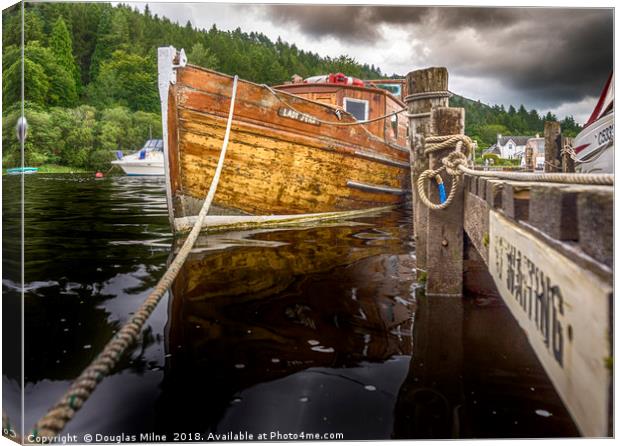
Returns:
<point x="418" y="115"/>
<point x="455" y="165"/>
<point x="568" y="150"/>
<point x="597" y="179"/>
<point x="463" y="147"/>
<point x="59" y="415"/>
<point x="427" y="95"/>
<point x="314" y="118"/>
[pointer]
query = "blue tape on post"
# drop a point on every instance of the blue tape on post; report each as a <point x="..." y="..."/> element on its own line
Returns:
<point x="442" y="193"/>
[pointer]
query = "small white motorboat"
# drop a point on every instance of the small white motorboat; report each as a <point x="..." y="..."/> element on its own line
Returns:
<point x="149" y="160"/>
<point x="594" y="145"/>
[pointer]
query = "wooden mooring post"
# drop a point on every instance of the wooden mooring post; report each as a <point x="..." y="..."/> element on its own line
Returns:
<point x="429" y="88"/>
<point x="568" y="163"/>
<point x="553" y="150"/>
<point x="444" y="241"/>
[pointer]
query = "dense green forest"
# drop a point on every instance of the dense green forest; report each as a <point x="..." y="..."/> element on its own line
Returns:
<point x="91" y="79"/>
<point x="483" y="123"/>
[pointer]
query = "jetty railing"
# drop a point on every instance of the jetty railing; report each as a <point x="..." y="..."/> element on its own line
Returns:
<point x="543" y="241"/>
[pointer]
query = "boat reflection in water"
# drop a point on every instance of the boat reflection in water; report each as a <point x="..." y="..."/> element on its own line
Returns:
<point x="290" y="331"/>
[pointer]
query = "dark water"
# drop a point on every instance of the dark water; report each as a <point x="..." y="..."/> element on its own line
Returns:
<point x="314" y="330"/>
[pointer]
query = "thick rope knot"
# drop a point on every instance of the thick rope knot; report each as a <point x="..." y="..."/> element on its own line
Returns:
<point x="460" y="143"/>
<point x="452" y="163"/>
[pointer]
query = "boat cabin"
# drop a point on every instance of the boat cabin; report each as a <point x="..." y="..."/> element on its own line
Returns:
<point x="364" y="100"/>
<point x="154" y="145"/>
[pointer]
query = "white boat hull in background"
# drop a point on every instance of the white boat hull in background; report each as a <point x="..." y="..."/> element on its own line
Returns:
<point x="594" y="146"/>
<point x="141" y="167"/>
<point x="147" y="161"/>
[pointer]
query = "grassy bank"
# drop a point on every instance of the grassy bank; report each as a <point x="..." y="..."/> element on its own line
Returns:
<point x="56" y="168"/>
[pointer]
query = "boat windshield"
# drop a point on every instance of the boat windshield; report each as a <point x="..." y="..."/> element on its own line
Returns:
<point x="154" y="145"/>
<point x="395" y="89"/>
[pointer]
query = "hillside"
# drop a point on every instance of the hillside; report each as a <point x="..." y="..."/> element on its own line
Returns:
<point x="483" y="122"/>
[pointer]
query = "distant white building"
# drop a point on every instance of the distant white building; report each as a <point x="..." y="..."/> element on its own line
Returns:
<point x="511" y="147"/>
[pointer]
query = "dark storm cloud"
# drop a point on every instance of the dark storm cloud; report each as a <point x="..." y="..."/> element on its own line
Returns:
<point x="552" y="55"/>
<point x="352" y="23"/>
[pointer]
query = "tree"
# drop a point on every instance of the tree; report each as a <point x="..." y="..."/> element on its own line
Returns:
<point x="569" y="126"/>
<point x="489" y="132"/>
<point x="61" y="86"/>
<point x="201" y="56"/>
<point x="77" y="127"/>
<point x="36" y="82"/>
<point x="43" y="137"/>
<point x="128" y="80"/>
<point x="62" y="48"/>
<point x="112" y="34"/>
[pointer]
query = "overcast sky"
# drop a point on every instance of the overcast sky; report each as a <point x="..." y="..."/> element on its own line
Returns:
<point x="545" y="58"/>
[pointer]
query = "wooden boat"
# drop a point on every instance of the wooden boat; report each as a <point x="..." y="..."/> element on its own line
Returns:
<point x="287" y="154"/>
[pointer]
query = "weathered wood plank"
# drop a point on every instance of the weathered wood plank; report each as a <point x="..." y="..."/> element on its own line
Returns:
<point x="565" y="311"/>
<point x="476" y="277"/>
<point x="553" y="210"/>
<point x="444" y="244"/>
<point x="481" y="190"/>
<point x="422" y="81"/>
<point x="515" y="200"/>
<point x="596" y="226"/>
<point x="494" y="193"/>
<point x="315" y="180"/>
<point x="174" y="173"/>
<point x="263" y="109"/>
<point x="476" y="223"/>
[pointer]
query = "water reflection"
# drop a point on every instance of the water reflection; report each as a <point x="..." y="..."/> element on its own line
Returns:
<point x="316" y="329"/>
<point x="296" y="323"/>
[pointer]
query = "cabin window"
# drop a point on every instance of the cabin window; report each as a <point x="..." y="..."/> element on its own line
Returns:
<point x="357" y="107"/>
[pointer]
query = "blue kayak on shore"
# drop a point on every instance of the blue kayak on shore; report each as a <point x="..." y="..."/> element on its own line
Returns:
<point x="21" y="170"/>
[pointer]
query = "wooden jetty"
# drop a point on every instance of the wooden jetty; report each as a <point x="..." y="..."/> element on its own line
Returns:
<point x="547" y="248"/>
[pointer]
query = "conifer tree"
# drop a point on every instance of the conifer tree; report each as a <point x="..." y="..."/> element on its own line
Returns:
<point x="62" y="47"/>
<point x="112" y="35"/>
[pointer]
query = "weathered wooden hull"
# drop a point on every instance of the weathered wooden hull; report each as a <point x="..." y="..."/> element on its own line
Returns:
<point x="277" y="162"/>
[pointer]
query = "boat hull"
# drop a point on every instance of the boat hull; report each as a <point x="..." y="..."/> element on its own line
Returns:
<point x="278" y="161"/>
<point x="136" y="168"/>
<point x="594" y="146"/>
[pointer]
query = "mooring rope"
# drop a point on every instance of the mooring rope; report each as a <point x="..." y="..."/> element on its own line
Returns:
<point x="428" y="95"/>
<point x="60" y="414"/>
<point x="455" y="165"/>
<point x="462" y="147"/>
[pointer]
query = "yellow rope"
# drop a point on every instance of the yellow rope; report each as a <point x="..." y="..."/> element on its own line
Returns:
<point x="80" y="390"/>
